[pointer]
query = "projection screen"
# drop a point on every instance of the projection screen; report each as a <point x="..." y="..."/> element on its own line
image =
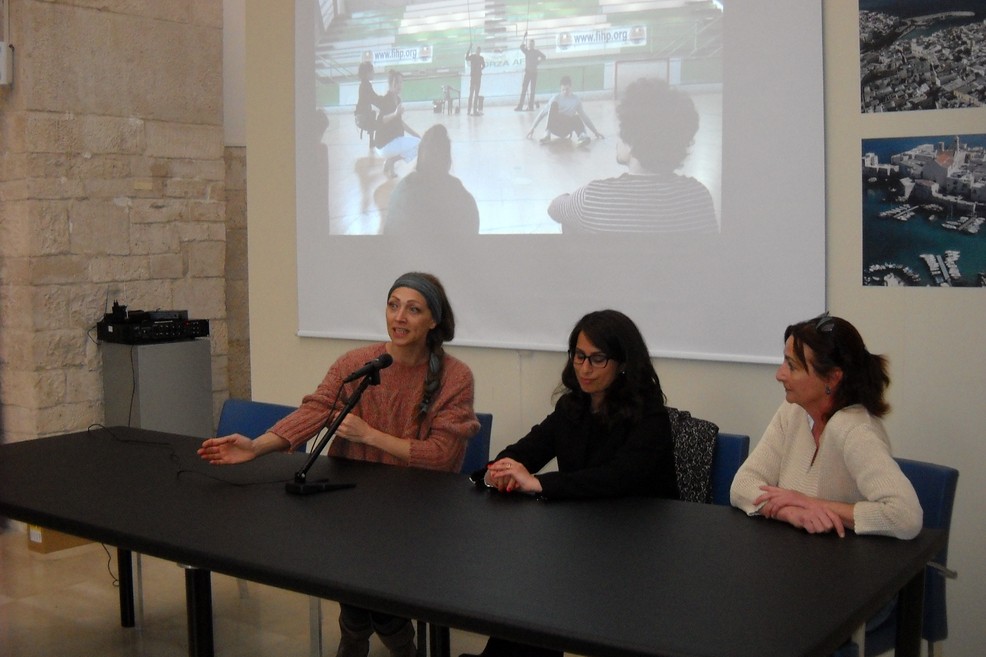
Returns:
<point x="752" y="69"/>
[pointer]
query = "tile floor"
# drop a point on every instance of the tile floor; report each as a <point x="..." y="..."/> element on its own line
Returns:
<point x="66" y="604"/>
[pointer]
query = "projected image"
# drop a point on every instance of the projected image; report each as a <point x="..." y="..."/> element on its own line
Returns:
<point x="474" y="118"/>
<point x="545" y="158"/>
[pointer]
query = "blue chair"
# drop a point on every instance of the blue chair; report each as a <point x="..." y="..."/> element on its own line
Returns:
<point x="730" y="451"/>
<point x="694" y="445"/>
<point x="477" y="456"/>
<point x="706" y="460"/>
<point x="935" y="486"/>
<point x="478" y="449"/>
<point x="250" y="418"/>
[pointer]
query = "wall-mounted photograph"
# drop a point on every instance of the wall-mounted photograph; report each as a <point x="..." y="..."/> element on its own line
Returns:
<point x="924" y="201"/>
<point x="922" y="54"/>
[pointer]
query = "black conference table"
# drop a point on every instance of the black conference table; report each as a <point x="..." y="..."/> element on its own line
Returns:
<point x="620" y="578"/>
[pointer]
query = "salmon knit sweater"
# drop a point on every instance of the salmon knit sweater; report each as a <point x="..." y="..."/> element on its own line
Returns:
<point x="391" y="407"/>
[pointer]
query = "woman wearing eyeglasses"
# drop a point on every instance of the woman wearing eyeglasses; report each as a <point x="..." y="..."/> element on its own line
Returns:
<point x="824" y="462"/>
<point x="609" y="431"/>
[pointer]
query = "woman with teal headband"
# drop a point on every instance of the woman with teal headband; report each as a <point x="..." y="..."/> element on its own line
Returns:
<point x="420" y="415"/>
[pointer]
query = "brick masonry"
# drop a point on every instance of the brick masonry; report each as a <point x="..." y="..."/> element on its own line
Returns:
<point x="115" y="184"/>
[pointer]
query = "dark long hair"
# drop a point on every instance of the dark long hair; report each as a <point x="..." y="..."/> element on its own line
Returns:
<point x="636" y="387"/>
<point x="836" y="344"/>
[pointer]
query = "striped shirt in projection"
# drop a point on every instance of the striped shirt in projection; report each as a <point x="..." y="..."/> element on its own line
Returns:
<point x="632" y="203"/>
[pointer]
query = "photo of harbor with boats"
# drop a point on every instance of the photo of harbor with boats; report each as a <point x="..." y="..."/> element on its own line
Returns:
<point x="924" y="206"/>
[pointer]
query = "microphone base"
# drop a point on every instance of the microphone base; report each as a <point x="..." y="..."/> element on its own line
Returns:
<point x="312" y="487"/>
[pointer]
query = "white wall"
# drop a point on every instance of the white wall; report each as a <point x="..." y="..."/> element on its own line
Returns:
<point x="933" y="337"/>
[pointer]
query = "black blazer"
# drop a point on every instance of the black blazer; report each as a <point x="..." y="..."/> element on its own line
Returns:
<point x="594" y="461"/>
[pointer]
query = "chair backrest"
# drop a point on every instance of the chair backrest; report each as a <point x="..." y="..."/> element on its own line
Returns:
<point x="730" y="452"/>
<point x="478" y="449"/>
<point x="250" y="418"/>
<point x="694" y="444"/>
<point x="935" y="486"/>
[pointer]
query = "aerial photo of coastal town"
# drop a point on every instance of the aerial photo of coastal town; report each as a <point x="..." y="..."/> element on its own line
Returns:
<point x="922" y="54"/>
<point x="924" y="201"/>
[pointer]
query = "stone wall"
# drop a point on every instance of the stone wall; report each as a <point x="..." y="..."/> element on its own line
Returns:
<point x="237" y="293"/>
<point x="112" y="187"/>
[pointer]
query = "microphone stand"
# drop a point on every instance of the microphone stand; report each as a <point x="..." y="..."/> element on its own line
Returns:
<point x="301" y="485"/>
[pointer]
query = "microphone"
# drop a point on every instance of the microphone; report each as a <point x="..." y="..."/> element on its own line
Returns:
<point x="380" y="362"/>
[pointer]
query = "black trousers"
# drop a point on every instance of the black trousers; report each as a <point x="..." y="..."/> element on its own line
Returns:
<point x="561" y="125"/>
<point x="502" y="648"/>
<point x="474" y="93"/>
<point x="530" y="80"/>
<point x="364" y="620"/>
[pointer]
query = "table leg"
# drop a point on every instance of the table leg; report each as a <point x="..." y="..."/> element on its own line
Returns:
<point x="198" y="601"/>
<point x="422" y="639"/>
<point x="124" y="560"/>
<point x="315" y="626"/>
<point x="910" y="611"/>
<point x="438" y="640"/>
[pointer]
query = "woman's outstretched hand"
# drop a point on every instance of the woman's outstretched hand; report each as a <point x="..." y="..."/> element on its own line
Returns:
<point x="235" y="448"/>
